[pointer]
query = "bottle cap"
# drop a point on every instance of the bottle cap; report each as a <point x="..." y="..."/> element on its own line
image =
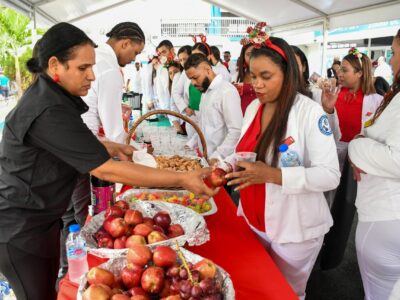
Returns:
<point x="283" y="148"/>
<point x="74" y="228"/>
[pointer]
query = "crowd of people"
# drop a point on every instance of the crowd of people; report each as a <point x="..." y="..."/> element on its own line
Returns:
<point x="69" y="124"/>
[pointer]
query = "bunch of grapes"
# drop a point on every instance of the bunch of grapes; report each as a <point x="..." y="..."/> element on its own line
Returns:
<point x="205" y="289"/>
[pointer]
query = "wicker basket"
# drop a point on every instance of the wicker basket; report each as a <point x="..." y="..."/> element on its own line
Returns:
<point x="171" y="113"/>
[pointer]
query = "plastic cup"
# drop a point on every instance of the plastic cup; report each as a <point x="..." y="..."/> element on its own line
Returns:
<point x="245" y="156"/>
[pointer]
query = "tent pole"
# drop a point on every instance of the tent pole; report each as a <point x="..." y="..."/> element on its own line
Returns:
<point x="324" y="47"/>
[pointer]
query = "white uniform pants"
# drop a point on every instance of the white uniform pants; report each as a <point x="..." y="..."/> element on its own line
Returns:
<point x="378" y="255"/>
<point x="294" y="260"/>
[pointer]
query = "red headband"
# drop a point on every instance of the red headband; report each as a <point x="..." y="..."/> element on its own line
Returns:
<point x="258" y="37"/>
<point x="203" y="40"/>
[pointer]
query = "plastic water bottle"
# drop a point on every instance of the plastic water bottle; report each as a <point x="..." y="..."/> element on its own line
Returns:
<point x="289" y="158"/>
<point x="130" y="124"/>
<point x="76" y="254"/>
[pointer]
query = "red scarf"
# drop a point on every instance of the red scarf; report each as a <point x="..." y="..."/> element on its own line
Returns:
<point x="252" y="198"/>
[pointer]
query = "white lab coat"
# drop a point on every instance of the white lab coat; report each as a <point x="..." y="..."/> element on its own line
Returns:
<point x="297" y="211"/>
<point x="180" y="92"/>
<point x="105" y="96"/>
<point x="220" y="119"/>
<point x="378" y="154"/>
<point x="220" y="69"/>
<point x="161" y="83"/>
<point x="147" y="85"/>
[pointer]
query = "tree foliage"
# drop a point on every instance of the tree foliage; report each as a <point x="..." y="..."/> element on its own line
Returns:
<point x="15" y="41"/>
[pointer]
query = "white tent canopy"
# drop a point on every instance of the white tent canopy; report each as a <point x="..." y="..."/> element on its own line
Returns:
<point x="281" y="15"/>
<point x="291" y="14"/>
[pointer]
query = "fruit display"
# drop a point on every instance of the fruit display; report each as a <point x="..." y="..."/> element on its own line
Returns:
<point x="185" y="198"/>
<point x="178" y="163"/>
<point x="123" y="228"/>
<point x="110" y="233"/>
<point x="164" y="274"/>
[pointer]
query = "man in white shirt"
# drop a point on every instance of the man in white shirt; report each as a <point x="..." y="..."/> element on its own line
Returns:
<point x="218" y="67"/>
<point x="383" y="70"/>
<point x="166" y="53"/>
<point x="220" y="115"/>
<point x="126" y="40"/>
<point x="137" y="79"/>
<point x="230" y="63"/>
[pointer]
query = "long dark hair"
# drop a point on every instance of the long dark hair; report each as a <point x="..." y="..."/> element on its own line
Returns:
<point x="304" y="86"/>
<point x="394" y="89"/>
<point x="241" y="63"/>
<point x="273" y="136"/>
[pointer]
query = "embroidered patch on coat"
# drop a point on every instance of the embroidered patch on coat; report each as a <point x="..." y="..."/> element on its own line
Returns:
<point x="324" y="126"/>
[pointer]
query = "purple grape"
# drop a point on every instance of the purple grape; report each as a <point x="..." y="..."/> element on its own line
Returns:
<point x="173" y="271"/>
<point x="175" y="288"/>
<point x="184" y="295"/>
<point x="183" y="274"/>
<point x="208" y="286"/>
<point x="213" y="297"/>
<point x="196" y="291"/>
<point x="196" y="276"/>
<point x="176" y="280"/>
<point x="185" y="286"/>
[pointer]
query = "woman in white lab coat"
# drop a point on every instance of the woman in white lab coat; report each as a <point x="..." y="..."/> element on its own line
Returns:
<point x="285" y="206"/>
<point x="375" y="158"/>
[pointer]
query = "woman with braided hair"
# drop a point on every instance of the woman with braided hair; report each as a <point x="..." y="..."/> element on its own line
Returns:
<point x="375" y="158"/>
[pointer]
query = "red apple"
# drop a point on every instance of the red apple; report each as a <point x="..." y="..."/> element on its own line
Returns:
<point x="216" y="178"/>
<point x="98" y="275"/>
<point x="118" y="283"/>
<point x="133" y="217"/>
<point x="153" y="280"/>
<point x="120" y="297"/>
<point x="116" y="227"/>
<point x="158" y="228"/>
<point x="97" y="292"/>
<point x="206" y="268"/>
<point x="139" y="254"/>
<point x="142" y="229"/>
<point x="165" y="292"/>
<point x="137" y="291"/>
<point x="175" y="230"/>
<point x="164" y="256"/>
<point x="129" y="232"/>
<point x="99" y="233"/>
<point x="123" y="204"/>
<point x="135" y="239"/>
<point x="172" y="297"/>
<point x="140" y="297"/>
<point x="162" y="219"/>
<point x="120" y="242"/>
<point x="115" y="211"/>
<point x="105" y="240"/>
<point x="156" y="236"/>
<point x="131" y="275"/>
<point x="148" y="221"/>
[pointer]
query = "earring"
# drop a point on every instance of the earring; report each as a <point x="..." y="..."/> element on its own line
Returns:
<point x="56" y="78"/>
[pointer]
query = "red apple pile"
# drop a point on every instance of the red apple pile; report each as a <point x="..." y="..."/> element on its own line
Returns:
<point x="154" y="275"/>
<point x="124" y="227"/>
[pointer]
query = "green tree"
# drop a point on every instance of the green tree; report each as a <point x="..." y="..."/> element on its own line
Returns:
<point x="14" y="37"/>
